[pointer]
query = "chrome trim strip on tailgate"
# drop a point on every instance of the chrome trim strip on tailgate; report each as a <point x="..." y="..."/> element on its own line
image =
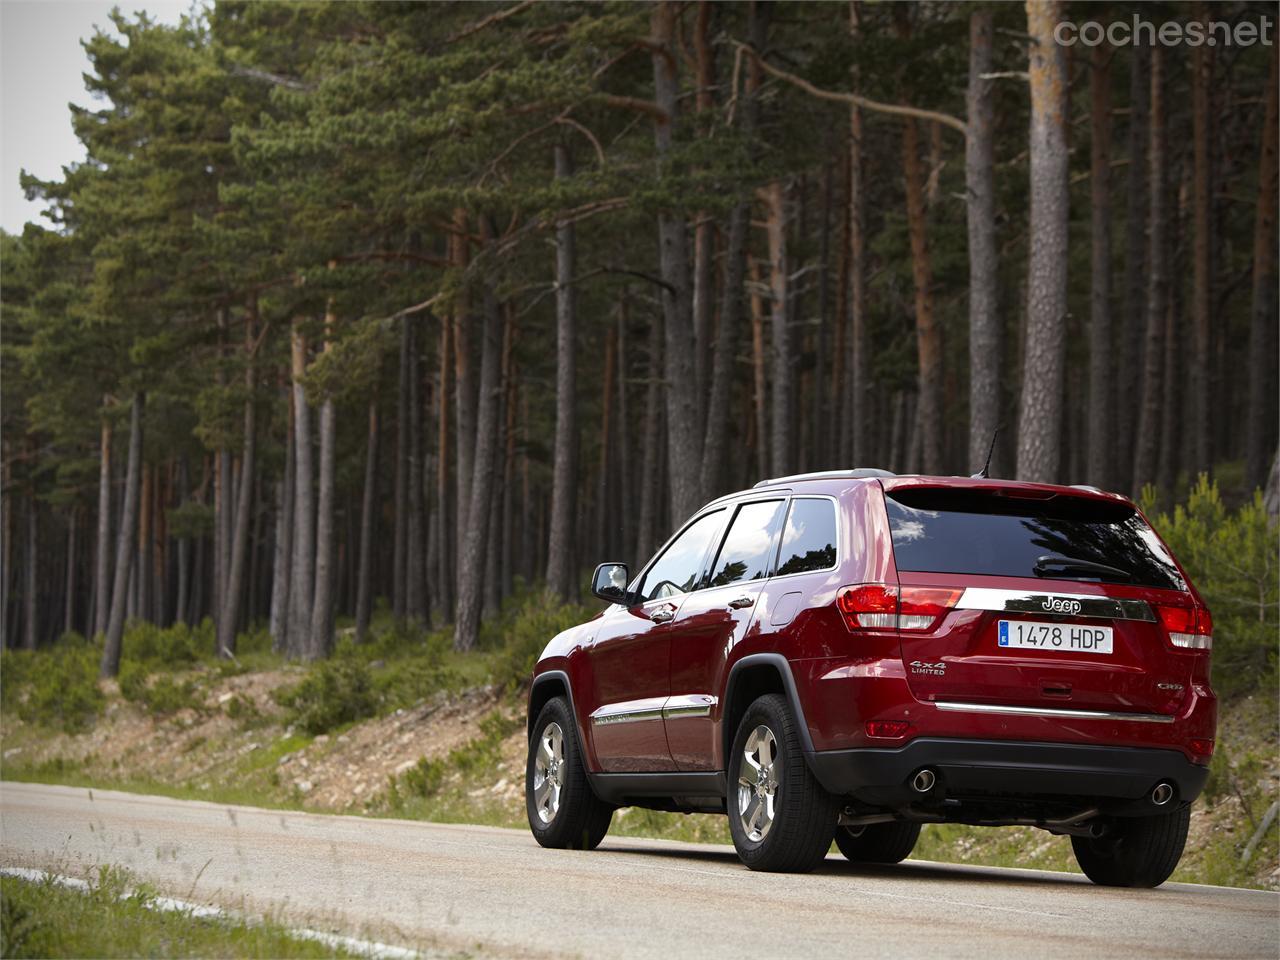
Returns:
<point x="951" y="706"/>
<point x="1055" y="604"/>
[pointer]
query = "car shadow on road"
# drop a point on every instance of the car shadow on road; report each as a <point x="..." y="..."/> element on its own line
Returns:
<point x="834" y="866"/>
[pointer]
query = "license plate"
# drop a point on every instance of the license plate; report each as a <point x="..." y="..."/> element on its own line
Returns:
<point x="1037" y="635"/>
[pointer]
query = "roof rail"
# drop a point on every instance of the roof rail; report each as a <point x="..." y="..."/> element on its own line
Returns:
<point x="858" y="473"/>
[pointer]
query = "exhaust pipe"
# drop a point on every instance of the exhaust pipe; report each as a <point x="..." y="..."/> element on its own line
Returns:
<point x="1162" y="794"/>
<point x="923" y="781"/>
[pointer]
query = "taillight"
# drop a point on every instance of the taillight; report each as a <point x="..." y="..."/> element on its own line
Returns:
<point x="882" y="606"/>
<point x="1190" y="628"/>
<point x="1203" y="749"/>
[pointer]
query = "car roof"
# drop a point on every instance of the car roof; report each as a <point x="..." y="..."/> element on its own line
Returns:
<point x="831" y="481"/>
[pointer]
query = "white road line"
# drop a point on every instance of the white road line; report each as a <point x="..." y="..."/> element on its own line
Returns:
<point x="369" y="948"/>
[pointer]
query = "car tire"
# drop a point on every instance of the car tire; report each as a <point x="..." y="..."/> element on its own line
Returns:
<point x="564" y="813"/>
<point x="1135" y="851"/>
<point x="768" y="775"/>
<point x="878" y="842"/>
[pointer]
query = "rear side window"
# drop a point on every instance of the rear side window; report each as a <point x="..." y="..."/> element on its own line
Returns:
<point x="748" y="546"/>
<point x="1063" y="538"/>
<point x="809" y="537"/>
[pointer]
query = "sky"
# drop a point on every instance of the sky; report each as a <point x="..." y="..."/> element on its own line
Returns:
<point x="41" y="72"/>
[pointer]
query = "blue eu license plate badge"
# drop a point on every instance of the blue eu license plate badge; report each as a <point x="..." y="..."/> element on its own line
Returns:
<point x="1004" y="633"/>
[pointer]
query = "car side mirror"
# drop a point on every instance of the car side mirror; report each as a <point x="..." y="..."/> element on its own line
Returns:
<point x="609" y="583"/>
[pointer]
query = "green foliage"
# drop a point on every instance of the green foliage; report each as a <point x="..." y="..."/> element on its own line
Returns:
<point x="160" y="693"/>
<point x="529" y="619"/>
<point x="55" y="688"/>
<point x="1231" y="557"/>
<point x="333" y="692"/>
<point x="167" y="647"/>
<point x="117" y="917"/>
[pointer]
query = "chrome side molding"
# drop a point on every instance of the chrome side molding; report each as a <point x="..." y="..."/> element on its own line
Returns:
<point x="654" y="708"/>
<point x="1054" y="604"/>
<point x="1063" y="713"/>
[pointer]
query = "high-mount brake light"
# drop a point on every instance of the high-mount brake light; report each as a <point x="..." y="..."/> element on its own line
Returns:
<point x="883" y="606"/>
<point x="1190" y="628"/>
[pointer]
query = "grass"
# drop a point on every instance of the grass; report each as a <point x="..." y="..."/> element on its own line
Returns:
<point x="117" y="918"/>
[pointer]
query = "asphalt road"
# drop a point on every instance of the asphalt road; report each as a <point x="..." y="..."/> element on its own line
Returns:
<point x="487" y="891"/>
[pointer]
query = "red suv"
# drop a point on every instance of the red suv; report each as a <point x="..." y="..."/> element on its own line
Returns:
<point x="849" y="655"/>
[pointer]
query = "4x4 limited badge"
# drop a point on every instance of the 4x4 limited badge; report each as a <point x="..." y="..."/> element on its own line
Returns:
<point x="1059" y="605"/>
<point x="938" y="669"/>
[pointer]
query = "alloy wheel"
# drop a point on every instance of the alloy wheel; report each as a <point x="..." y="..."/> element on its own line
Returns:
<point x="549" y="772"/>
<point x="758" y="784"/>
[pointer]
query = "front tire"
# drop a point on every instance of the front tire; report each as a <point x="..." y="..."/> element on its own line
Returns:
<point x="563" y="811"/>
<point x="878" y="842"/>
<point x="1135" y="851"/>
<point x="780" y="818"/>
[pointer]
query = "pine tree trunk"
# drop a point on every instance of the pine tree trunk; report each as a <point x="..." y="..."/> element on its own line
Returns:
<point x="984" y="265"/>
<point x="560" y="560"/>
<point x="650" y="444"/>
<point x="1176" y="407"/>
<point x="142" y="567"/>
<point x="281" y="567"/>
<point x="30" y="616"/>
<point x="716" y="434"/>
<point x="604" y="515"/>
<point x="398" y="565"/>
<point x="780" y="454"/>
<point x="183" y="553"/>
<point x="1133" y="323"/>
<point x="415" y="561"/>
<point x="625" y="488"/>
<point x="1040" y="419"/>
<point x="704" y="229"/>
<point x="229" y="616"/>
<point x="368" y="523"/>
<point x="444" y="539"/>
<point x="465" y="392"/>
<point x="322" y="596"/>
<point x="1148" y="433"/>
<point x="302" y="567"/>
<point x="472" y="561"/>
<point x="1202" y="278"/>
<point x="1101" y="374"/>
<point x="759" y="379"/>
<point x="69" y="593"/>
<point x="928" y="336"/>
<point x="1260" y="436"/>
<point x="102" y="588"/>
<point x="124" y="543"/>
<point x="684" y="447"/>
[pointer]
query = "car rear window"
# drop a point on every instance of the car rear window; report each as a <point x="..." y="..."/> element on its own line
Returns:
<point x="973" y="531"/>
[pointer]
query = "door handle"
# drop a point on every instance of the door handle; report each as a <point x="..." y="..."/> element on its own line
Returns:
<point x="662" y="616"/>
<point x="740" y="603"/>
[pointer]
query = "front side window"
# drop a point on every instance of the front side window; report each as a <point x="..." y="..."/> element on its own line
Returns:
<point x="748" y="547"/>
<point x="809" y="538"/>
<point x="677" y="571"/>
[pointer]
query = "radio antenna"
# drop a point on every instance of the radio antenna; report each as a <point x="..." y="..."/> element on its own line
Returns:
<point x="985" y="472"/>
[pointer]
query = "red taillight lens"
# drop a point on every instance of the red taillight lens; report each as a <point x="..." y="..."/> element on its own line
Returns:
<point x="1203" y="749"/>
<point x="882" y="606"/>
<point x="887" y="729"/>
<point x="920" y="607"/>
<point x="1189" y="627"/>
<point x="870" y="606"/>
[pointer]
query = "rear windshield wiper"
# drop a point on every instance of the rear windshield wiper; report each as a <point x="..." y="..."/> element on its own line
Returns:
<point x="1051" y="566"/>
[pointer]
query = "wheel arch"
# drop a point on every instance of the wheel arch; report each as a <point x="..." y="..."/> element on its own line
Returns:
<point x="750" y="678"/>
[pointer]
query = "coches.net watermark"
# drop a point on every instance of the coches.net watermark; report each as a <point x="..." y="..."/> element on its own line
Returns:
<point x="1138" y="32"/>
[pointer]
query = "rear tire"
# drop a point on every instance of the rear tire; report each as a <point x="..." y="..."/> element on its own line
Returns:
<point x="780" y="818"/>
<point x="1136" y="851"/>
<point x="563" y="811"/>
<point x="878" y="842"/>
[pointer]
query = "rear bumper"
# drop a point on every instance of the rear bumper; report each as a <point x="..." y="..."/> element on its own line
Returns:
<point x="1007" y="769"/>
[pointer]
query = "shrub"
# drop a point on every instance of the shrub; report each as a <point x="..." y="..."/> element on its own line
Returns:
<point x="425" y="778"/>
<point x="1231" y="558"/>
<point x="165" y="647"/>
<point x="57" y="687"/>
<point x="332" y="693"/>
<point x="523" y="631"/>
<point x="159" y="693"/>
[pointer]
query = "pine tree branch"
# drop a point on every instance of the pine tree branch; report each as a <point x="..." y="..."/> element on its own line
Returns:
<point x="898" y="110"/>
<point x="489" y="21"/>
